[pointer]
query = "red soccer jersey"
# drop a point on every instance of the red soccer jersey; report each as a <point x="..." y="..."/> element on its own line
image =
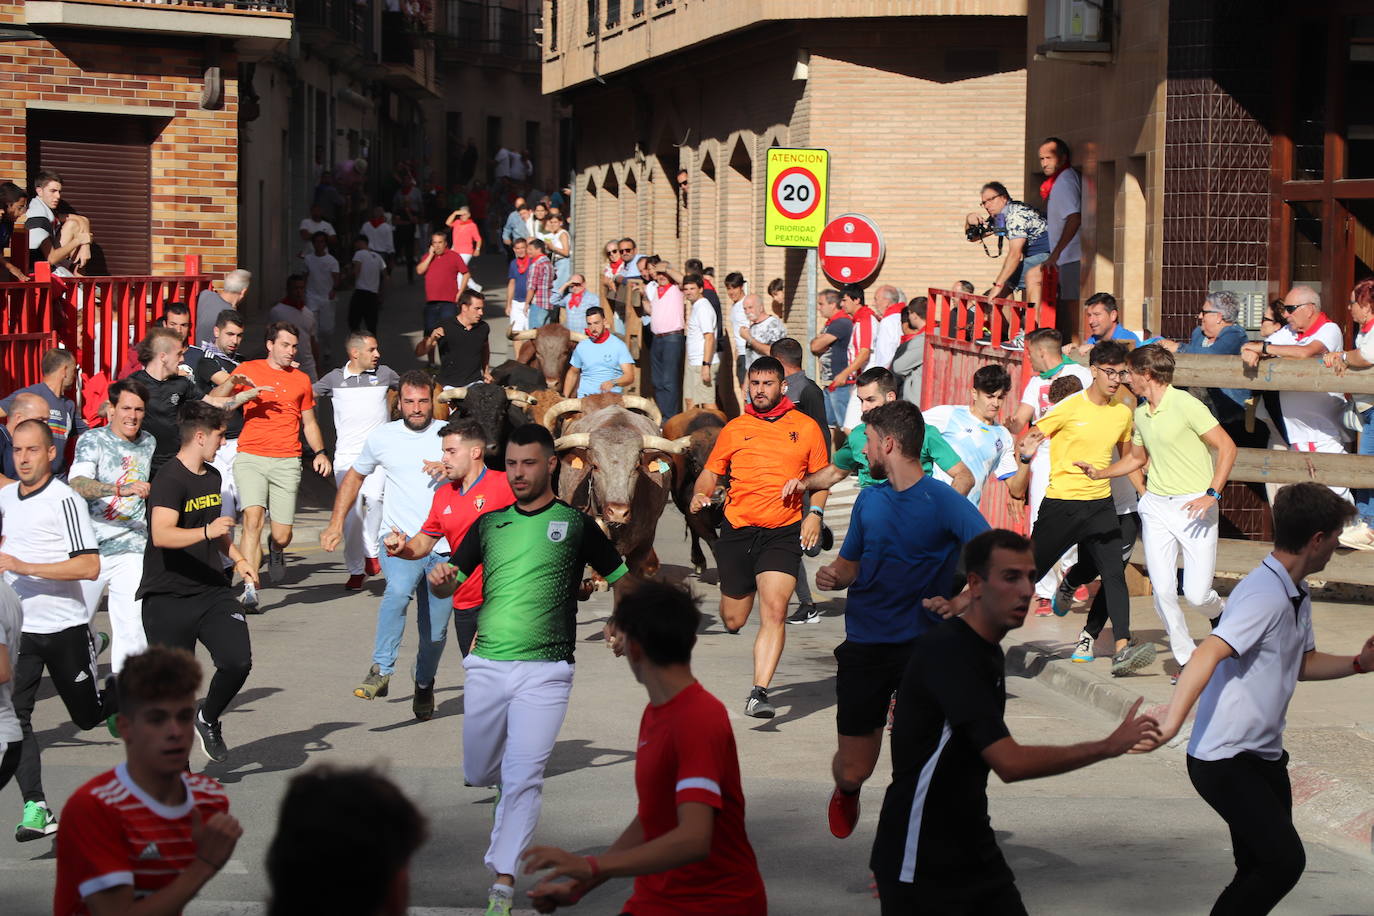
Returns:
<point x="114" y="833"/>
<point x="687" y="754"/>
<point x="862" y="334"/>
<point x="452" y="514"/>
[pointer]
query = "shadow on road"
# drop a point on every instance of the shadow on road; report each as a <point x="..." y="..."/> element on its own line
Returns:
<point x="275" y="754"/>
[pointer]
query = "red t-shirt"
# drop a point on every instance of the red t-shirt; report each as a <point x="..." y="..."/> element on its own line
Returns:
<point x="441" y="277"/>
<point x="861" y="337"/>
<point x="687" y="754"/>
<point x="466" y="237"/>
<point x="113" y="833"/>
<point x="452" y="514"/>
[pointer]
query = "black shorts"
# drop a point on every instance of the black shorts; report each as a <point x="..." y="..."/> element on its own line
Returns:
<point x="743" y="553"/>
<point x="866" y="677"/>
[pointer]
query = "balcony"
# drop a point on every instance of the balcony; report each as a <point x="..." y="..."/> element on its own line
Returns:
<point x="256" y="23"/>
<point x="339" y="30"/>
<point x="487" y="33"/>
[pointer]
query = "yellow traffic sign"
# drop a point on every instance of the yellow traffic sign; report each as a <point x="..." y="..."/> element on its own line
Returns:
<point x="794" y="213"/>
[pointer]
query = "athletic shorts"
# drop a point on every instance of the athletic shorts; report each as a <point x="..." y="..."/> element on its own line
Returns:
<point x="743" y="553"/>
<point x="269" y="482"/>
<point x="866" y="676"/>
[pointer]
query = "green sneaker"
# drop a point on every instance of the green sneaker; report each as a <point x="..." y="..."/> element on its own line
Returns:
<point x="374" y="685"/>
<point x="102" y="642"/>
<point x="38" y="822"/>
<point x="112" y="726"/>
<point x="499" y="904"/>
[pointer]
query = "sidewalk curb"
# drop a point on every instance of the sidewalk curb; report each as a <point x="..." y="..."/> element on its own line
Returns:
<point x="1337" y="810"/>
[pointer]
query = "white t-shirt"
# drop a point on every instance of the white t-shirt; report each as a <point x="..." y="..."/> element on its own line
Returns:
<point x="1244" y="706"/>
<point x="48" y="525"/>
<point x="1313" y="418"/>
<point x="886" y="340"/>
<point x="1066" y="199"/>
<point x="380" y="238"/>
<point x="370" y="267"/>
<point x="305" y="322"/>
<point x="319" y="280"/>
<point x="402" y="452"/>
<point x="987" y="450"/>
<point x="738" y="319"/>
<point x="318" y="225"/>
<point x="702" y="320"/>
<point x="360" y="406"/>
<point x="1036" y="396"/>
<point x="11" y="628"/>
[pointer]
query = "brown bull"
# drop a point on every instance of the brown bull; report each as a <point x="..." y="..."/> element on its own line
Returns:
<point x="553" y="346"/>
<point x="699" y="427"/>
<point x="562" y="413"/>
<point x="616" y="467"/>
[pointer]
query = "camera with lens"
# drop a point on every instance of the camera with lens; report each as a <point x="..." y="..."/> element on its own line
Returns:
<point x="973" y="231"/>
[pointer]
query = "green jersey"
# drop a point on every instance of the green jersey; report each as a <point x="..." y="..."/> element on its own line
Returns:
<point x="935" y="451"/>
<point x="532" y="565"/>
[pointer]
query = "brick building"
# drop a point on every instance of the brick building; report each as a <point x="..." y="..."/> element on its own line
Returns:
<point x="135" y="104"/>
<point x="919" y="103"/>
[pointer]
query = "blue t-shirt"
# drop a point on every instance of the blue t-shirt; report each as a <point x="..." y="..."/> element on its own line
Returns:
<point x="599" y="363"/>
<point x="1227" y="403"/>
<point x="901" y="563"/>
<point x="401" y="452"/>
<point x="521" y="279"/>
<point x="839" y="350"/>
<point x="1121" y="333"/>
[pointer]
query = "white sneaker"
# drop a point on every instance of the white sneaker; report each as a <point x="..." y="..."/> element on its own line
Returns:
<point x="1357" y="536"/>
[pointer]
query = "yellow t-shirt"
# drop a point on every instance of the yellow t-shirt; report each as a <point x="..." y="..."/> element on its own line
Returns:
<point x="1180" y="462"/>
<point x="1080" y="430"/>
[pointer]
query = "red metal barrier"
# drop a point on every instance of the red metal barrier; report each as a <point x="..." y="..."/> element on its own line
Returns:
<point x="956" y="325"/>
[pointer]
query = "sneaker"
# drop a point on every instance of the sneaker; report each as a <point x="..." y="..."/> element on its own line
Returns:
<point x="758" y="706"/>
<point x="499" y="902"/>
<point x="1042" y="607"/>
<point x="355" y="582"/>
<point x="372" y="566"/>
<point x="1016" y="343"/>
<point x="1358" y="536"/>
<point x="38" y="822"/>
<point x="276" y="562"/>
<point x="423" y="703"/>
<point x="249" y="598"/>
<point x="112" y="725"/>
<point x="1135" y="656"/>
<point x="844" y="813"/>
<point x="1081" y="594"/>
<point x="805" y="613"/>
<point x="1062" y="602"/>
<point x="1083" y="653"/>
<point x="374" y="685"/>
<point x="211" y="736"/>
<point x="102" y="642"/>
<point x="1173" y="678"/>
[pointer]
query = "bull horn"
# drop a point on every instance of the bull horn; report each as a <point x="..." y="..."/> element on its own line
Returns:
<point x="576" y="336"/>
<point x="671" y="446"/>
<point x="572" y="440"/>
<point x="522" y="335"/>
<point x="635" y="402"/>
<point x="453" y="394"/>
<point x="523" y="397"/>
<point x="567" y="405"/>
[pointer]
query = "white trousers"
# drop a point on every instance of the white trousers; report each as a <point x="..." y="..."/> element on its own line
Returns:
<point x="1166" y="528"/>
<point x="228" y="490"/>
<point x="512" y="712"/>
<point x="363" y="523"/>
<point x="121" y="573"/>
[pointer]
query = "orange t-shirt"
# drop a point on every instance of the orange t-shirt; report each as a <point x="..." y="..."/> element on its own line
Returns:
<point x="272" y="422"/>
<point x="760" y="456"/>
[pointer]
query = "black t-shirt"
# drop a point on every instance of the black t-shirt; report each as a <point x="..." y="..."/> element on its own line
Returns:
<point x="205" y="370"/>
<point x="160" y="417"/>
<point x="462" y="349"/>
<point x="949" y="708"/>
<point x="187" y="570"/>
<point x="810" y="400"/>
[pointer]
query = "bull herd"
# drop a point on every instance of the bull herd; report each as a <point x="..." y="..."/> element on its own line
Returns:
<point x="618" y="460"/>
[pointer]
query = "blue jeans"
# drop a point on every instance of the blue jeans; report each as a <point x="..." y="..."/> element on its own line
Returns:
<point x="538" y="316"/>
<point x="436" y="310"/>
<point x="835" y="403"/>
<point x="403" y="579"/>
<point x="665" y="360"/>
<point x="1364" y="499"/>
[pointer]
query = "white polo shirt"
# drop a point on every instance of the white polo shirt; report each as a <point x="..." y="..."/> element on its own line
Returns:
<point x="1268" y="622"/>
<point x="360" y="406"/>
<point x="1313" y="418"/>
<point x="701" y="322"/>
<point x="48" y="525"/>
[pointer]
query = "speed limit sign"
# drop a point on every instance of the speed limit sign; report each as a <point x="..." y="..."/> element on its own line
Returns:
<point x="794" y="214"/>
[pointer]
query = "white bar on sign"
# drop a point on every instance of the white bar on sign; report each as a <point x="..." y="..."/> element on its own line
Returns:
<point x="848" y="250"/>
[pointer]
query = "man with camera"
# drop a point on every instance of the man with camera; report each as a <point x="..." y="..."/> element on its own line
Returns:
<point x="1027" y="245"/>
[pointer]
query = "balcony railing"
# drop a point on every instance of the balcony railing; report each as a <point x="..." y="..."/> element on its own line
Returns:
<point x="349" y="20"/>
<point x="209" y="6"/>
<point x="488" y="28"/>
<point x="256" y="23"/>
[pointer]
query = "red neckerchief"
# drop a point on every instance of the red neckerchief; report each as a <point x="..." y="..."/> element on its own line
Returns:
<point x="906" y="337"/>
<point x="839" y="313"/>
<point x="1367" y="326"/>
<point x="1048" y="184"/>
<point x="1316" y="326"/>
<point x="522" y="264"/>
<point x="574" y="301"/>
<point x="663" y="286"/>
<point x="615" y="265"/>
<point x="782" y="407"/>
<point x="709" y="284"/>
<point x="377" y="222"/>
<point x="895" y="308"/>
<point x="605" y="336"/>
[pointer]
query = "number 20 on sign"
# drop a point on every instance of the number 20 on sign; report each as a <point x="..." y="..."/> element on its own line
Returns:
<point x="794" y="213"/>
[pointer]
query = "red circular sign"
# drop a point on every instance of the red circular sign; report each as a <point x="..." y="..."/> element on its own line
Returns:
<point x="851" y="248"/>
<point x="796" y="192"/>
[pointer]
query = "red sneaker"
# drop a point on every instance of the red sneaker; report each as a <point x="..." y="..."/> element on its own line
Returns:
<point x="372" y="566"/>
<point x="355" y="582"/>
<point x="1043" y="607"/>
<point x="1081" y="594"/>
<point x="844" y="813"/>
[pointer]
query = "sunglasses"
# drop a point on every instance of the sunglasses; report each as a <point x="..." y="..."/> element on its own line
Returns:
<point x="1290" y="309"/>
<point x="627" y="251"/>
<point x="1208" y="312"/>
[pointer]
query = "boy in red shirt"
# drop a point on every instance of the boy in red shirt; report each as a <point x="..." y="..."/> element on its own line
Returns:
<point x="686" y="846"/>
<point x="146" y="831"/>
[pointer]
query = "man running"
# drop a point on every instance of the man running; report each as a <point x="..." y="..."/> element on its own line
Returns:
<point x="409" y="453"/>
<point x="690" y="800"/>
<point x="519" y="672"/>
<point x="935" y="850"/>
<point x="185" y="590"/>
<point x="471" y="493"/>
<point x="148" y="835"/>
<point x="767" y="451"/>
<point x="267" y="469"/>
<point x="1175" y="435"/>
<point x="113" y="470"/>
<point x="890" y="567"/>
<point x="1241" y="678"/>
<point x="47" y="551"/>
<point x="976" y="434"/>
<point x="364" y="395"/>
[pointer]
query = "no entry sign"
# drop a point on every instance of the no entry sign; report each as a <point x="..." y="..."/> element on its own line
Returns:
<point x="851" y="248"/>
<point x="794" y="213"/>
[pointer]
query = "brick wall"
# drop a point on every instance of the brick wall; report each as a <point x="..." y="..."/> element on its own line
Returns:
<point x="194" y="158"/>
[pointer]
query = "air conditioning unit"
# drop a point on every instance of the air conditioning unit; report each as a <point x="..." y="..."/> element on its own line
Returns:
<point x="1077" y="30"/>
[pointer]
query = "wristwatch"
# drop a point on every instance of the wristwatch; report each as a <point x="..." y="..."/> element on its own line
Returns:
<point x="1214" y="494"/>
<point x="1264" y="348"/>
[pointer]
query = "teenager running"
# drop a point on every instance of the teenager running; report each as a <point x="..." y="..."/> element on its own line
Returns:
<point x="935" y="850"/>
<point x="890" y="567"/>
<point x="686" y="846"/>
<point x="1241" y="679"/>
<point x="146" y="836"/>
<point x="185" y="590"/>
<point x="767" y="452"/>
<point x="218" y="363"/>
<point x="519" y="672"/>
<point x="976" y="433"/>
<point x="48" y="550"/>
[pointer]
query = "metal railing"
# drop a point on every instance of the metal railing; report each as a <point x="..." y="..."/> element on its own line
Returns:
<point x="209" y="6"/>
<point x="486" y="27"/>
<point x="348" y="20"/>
